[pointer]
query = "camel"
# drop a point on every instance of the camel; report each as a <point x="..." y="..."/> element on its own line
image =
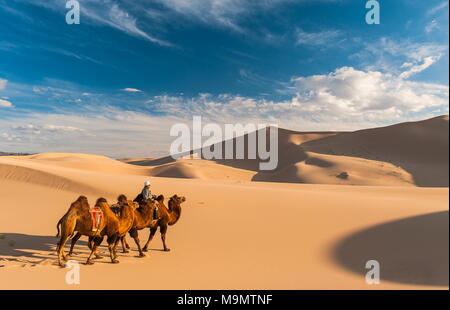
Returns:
<point x="78" y="219"/>
<point x="126" y="221"/>
<point x="167" y="217"/>
<point x="143" y="218"/>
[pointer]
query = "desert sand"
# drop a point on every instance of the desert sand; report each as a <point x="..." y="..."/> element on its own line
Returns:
<point x="299" y="227"/>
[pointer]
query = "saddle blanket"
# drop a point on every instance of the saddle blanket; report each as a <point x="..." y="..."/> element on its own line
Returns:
<point x="97" y="218"/>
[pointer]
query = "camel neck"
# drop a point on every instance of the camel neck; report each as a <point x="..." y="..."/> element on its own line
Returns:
<point x="174" y="212"/>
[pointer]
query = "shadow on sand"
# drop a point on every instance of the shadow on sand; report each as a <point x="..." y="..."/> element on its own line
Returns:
<point x="29" y="249"/>
<point x="19" y="247"/>
<point x="413" y="250"/>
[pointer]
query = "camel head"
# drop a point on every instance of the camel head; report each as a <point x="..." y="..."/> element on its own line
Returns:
<point x="122" y="199"/>
<point x="175" y="208"/>
<point x="178" y="200"/>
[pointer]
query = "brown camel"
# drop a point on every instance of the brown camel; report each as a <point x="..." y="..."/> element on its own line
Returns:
<point x="166" y="217"/>
<point x="79" y="219"/>
<point x="143" y="219"/>
<point x="126" y="220"/>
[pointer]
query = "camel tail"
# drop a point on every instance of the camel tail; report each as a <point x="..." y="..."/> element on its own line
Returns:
<point x="57" y="227"/>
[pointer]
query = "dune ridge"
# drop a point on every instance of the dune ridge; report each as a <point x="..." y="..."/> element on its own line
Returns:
<point x="37" y="177"/>
<point x="405" y="154"/>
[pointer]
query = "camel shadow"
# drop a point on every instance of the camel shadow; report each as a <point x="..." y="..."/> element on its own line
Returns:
<point x="413" y="250"/>
<point x="24" y="248"/>
<point x="22" y="245"/>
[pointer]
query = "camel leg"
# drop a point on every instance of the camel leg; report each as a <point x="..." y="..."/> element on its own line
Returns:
<point x="91" y="244"/>
<point x="94" y="242"/>
<point x="135" y="236"/>
<point x="60" y="249"/>
<point x="125" y="246"/>
<point x="73" y="242"/>
<point x="116" y="243"/>
<point x="163" y="230"/>
<point x="112" y="242"/>
<point x="126" y="243"/>
<point x="150" y="237"/>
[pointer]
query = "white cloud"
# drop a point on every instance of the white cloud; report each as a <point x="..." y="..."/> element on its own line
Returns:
<point x="10" y="137"/>
<point x="5" y="104"/>
<point x="320" y="38"/>
<point x="346" y="98"/>
<point x="107" y="131"/>
<point x="3" y="84"/>
<point x="348" y="94"/>
<point x="132" y="90"/>
<point x="222" y="13"/>
<point x="120" y="19"/>
<point x="391" y="56"/>
<point x="107" y="13"/>
<point x="427" y="62"/>
<point x="431" y="26"/>
<point x="437" y="8"/>
<point x="45" y="128"/>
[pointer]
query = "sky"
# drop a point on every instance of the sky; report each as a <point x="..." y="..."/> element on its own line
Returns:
<point x="115" y="83"/>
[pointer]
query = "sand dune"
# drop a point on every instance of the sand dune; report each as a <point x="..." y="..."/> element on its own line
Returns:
<point x="407" y="154"/>
<point x="241" y="234"/>
<point x="86" y="162"/>
<point x="37" y="177"/>
<point x="420" y="148"/>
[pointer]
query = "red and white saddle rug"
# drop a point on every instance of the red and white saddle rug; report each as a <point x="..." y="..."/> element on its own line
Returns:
<point x="97" y="218"/>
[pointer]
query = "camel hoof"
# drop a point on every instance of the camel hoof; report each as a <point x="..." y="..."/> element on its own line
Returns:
<point x="166" y="250"/>
<point x="144" y="250"/>
<point x="141" y="255"/>
<point x="89" y="262"/>
<point x="98" y="257"/>
<point x="115" y="261"/>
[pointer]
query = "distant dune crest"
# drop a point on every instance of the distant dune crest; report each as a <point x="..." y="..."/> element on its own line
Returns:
<point x="405" y="154"/>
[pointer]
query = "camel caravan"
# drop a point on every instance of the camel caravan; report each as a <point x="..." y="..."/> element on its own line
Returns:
<point x="115" y="221"/>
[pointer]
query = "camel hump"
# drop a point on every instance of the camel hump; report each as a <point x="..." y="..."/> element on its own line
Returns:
<point x="160" y="198"/>
<point x="101" y="200"/>
<point x="139" y="198"/>
<point x="82" y="200"/>
<point x="122" y="198"/>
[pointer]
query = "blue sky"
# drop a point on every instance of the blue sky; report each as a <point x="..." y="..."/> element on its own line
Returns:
<point x="114" y="84"/>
